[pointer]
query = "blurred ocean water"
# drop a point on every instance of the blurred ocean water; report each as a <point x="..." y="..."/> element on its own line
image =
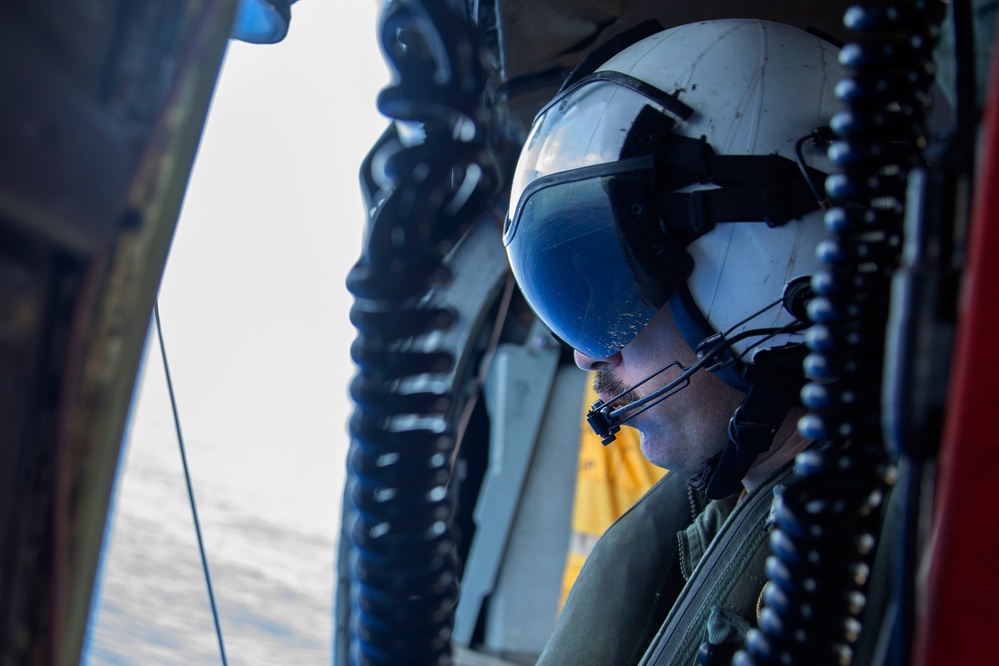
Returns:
<point x="269" y="533"/>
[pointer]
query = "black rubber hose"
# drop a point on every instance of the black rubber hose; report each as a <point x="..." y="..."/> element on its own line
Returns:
<point x="403" y="581"/>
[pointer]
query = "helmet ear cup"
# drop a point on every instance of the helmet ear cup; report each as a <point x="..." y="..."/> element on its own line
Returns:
<point x="797" y="295"/>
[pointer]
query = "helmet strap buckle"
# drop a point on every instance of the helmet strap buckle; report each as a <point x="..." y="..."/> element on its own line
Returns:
<point x="716" y="346"/>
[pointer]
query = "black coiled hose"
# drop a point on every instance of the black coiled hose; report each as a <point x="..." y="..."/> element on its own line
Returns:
<point x="402" y="568"/>
<point x="828" y="518"/>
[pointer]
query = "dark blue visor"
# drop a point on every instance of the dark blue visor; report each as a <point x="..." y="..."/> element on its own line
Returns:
<point x="576" y="271"/>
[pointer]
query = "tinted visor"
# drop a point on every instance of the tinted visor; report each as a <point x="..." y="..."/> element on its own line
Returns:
<point x="571" y="262"/>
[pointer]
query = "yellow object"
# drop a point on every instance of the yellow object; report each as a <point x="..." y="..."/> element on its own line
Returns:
<point x="608" y="481"/>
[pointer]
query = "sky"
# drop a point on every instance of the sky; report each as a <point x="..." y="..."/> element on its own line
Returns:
<point x="255" y="319"/>
<point x="253" y="293"/>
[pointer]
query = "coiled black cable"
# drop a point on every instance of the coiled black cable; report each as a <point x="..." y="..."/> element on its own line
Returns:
<point x="403" y="582"/>
<point x="828" y="516"/>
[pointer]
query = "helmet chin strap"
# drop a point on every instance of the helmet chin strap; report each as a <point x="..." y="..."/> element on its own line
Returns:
<point x="771" y="386"/>
<point x="775" y="383"/>
<point x="694" y="328"/>
<point x="751" y="431"/>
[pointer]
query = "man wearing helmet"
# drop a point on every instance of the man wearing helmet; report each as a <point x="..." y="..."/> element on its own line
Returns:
<point x="670" y="437"/>
<point x="663" y="222"/>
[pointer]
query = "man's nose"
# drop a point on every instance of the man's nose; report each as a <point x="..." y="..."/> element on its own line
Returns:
<point x="588" y="363"/>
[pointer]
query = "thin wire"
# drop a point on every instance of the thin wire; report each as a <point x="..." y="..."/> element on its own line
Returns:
<point x="484" y="365"/>
<point x="817" y="136"/>
<point x="770" y="334"/>
<point x="190" y="486"/>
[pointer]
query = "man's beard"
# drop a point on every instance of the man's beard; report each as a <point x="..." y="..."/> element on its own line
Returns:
<point x="605" y="383"/>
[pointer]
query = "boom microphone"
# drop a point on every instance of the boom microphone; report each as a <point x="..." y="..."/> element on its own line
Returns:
<point x="606" y="422"/>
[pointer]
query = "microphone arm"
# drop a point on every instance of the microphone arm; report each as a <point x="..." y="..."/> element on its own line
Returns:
<point x="606" y="422"/>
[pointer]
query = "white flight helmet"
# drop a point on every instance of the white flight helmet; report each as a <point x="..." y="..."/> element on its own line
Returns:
<point x="631" y="190"/>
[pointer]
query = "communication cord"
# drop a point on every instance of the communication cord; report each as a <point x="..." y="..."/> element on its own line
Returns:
<point x="828" y="516"/>
<point x="402" y="564"/>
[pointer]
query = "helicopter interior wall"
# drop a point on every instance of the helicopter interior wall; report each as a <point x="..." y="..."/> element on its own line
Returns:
<point x="523" y="608"/>
<point x="512" y="578"/>
<point x="540" y="43"/>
